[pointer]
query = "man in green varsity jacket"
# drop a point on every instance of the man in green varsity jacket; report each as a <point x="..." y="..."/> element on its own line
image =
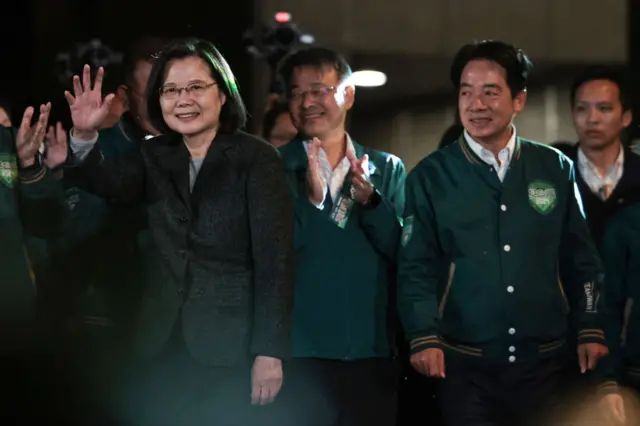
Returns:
<point x="485" y="221"/>
<point x="31" y="199"/>
<point x="348" y="201"/>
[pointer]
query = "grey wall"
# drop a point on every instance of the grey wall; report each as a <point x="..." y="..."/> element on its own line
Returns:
<point x="550" y="30"/>
<point x="413" y="133"/>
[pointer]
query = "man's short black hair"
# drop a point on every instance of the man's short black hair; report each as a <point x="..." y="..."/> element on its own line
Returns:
<point x="599" y="72"/>
<point x="143" y="49"/>
<point x="316" y="57"/>
<point x="233" y="115"/>
<point x="515" y="62"/>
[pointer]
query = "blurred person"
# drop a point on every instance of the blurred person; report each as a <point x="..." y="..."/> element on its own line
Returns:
<point x="30" y="201"/>
<point x="214" y="323"/>
<point x="348" y="199"/>
<point x="136" y="67"/>
<point x="485" y="222"/>
<point x="95" y="282"/>
<point x="5" y="113"/>
<point x="277" y="126"/>
<point x="608" y="173"/>
<point x="620" y="245"/>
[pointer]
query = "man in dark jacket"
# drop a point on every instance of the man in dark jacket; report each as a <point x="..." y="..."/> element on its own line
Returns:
<point x="485" y="221"/>
<point x="608" y="173"/>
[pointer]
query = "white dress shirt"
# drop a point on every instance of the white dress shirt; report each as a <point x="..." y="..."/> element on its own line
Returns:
<point x="601" y="185"/>
<point x="333" y="177"/>
<point x="488" y="157"/>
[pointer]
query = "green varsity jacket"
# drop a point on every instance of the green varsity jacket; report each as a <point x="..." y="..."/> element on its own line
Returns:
<point x="479" y="258"/>
<point x="344" y="274"/>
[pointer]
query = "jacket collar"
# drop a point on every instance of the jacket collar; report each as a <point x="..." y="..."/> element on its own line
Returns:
<point x="474" y="159"/>
<point x="173" y="155"/>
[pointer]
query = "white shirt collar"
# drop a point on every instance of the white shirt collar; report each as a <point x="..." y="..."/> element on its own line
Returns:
<point x="485" y="154"/>
<point x="601" y="185"/>
<point x="584" y="162"/>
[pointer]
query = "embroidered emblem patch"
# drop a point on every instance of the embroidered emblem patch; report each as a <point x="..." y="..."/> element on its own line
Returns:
<point x="407" y="230"/>
<point x="542" y="196"/>
<point x="8" y="169"/>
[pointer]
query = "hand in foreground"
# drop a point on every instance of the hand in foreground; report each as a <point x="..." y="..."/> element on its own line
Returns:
<point x="56" y="146"/>
<point x="429" y="362"/>
<point x="612" y="407"/>
<point x="360" y="182"/>
<point x="589" y="354"/>
<point x="266" y="379"/>
<point x="316" y="184"/>
<point x="29" y="138"/>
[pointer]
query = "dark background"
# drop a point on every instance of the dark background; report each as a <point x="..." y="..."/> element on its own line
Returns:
<point x="34" y="31"/>
<point x="634" y="62"/>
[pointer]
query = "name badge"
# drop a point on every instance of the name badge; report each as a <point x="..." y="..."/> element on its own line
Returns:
<point x="341" y="210"/>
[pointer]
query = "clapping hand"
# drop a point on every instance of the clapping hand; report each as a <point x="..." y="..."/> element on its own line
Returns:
<point x="360" y="182"/>
<point x="30" y="137"/>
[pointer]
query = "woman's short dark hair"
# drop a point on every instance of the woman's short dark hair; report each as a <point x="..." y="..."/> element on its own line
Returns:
<point x="233" y="115"/>
<point x="515" y="62"/>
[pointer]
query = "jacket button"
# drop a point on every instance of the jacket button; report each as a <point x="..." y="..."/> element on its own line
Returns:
<point x="183" y="219"/>
<point x="180" y="290"/>
<point x="182" y="254"/>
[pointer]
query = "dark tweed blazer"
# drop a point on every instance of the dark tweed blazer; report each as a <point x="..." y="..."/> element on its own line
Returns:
<point x="220" y="261"/>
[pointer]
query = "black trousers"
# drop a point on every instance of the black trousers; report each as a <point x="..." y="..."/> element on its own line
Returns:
<point x="320" y="392"/>
<point x="478" y="393"/>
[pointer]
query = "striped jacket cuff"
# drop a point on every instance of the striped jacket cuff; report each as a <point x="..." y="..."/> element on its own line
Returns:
<point x="32" y="176"/>
<point x="591" y="335"/>
<point x="419" y="344"/>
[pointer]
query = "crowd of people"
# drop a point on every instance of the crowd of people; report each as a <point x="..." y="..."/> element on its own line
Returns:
<point x="161" y="266"/>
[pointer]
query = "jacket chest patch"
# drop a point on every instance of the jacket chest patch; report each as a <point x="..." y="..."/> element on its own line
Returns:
<point x="542" y="196"/>
<point x="8" y="169"/>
